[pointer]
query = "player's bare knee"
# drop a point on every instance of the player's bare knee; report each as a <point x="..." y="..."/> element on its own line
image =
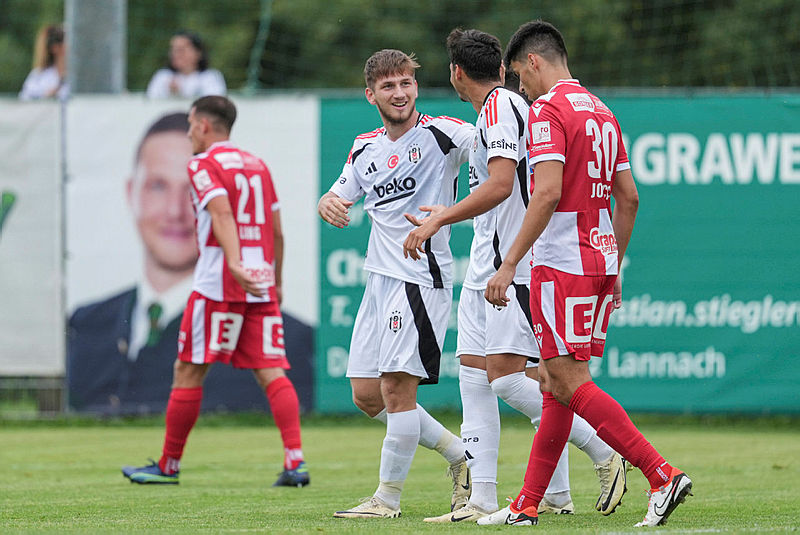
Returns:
<point x="369" y="405"/>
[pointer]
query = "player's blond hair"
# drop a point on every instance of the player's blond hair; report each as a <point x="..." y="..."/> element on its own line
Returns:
<point x="387" y="62"/>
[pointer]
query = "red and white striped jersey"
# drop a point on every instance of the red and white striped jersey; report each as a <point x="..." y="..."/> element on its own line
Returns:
<point x="245" y="180"/>
<point x="571" y="125"/>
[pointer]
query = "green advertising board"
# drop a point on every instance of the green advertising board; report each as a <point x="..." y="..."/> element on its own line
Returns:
<point x="711" y="313"/>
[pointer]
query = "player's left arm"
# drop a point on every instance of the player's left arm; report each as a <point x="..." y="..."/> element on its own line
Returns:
<point x="277" y="242"/>
<point x="626" y="204"/>
<point x="495" y="190"/>
<point x="224" y="228"/>
<point x="544" y="200"/>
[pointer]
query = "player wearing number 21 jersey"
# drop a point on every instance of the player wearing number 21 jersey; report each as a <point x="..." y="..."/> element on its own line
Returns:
<point x="233" y="315"/>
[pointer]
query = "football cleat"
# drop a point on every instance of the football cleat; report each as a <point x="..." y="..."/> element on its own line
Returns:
<point x="150" y="474"/>
<point x="613" y="476"/>
<point x="462" y="484"/>
<point x="509" y="515"/>
<point x="468" y="513"/>
<point x="294" y="478"/>
<point x="370" y="507"/>
<point x="665" y="499"/>
<point x="548" y="507"/>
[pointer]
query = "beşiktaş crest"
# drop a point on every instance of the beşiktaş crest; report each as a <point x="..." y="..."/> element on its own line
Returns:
<point x="395" y="321"/>
<point x="414" y="153"/>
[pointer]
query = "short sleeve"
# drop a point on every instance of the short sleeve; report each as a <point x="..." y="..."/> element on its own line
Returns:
<point x="206" y="182"/>
<point x="546" y="134"/>
<point x="622" y="155"/>
<point x="502" y="132"/>
<point x="463" y="136"/>
<point x="347" y="186"/>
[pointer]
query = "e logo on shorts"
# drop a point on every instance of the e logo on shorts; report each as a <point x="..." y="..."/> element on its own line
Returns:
<point x="225" y="329"/>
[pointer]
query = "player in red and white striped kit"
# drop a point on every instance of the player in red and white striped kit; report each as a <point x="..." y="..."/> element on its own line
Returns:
<point x="233" y="315"/>
<point x="578" y="162"/>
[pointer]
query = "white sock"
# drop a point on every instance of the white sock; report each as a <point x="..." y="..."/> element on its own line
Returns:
<point x="559" y="483"/>
<point x="585" y="439"/>
<point x="520" y="392"/>
<point x="480" y="431"/>
<point x="435" y="436"/>
<point x="402" y="437"/>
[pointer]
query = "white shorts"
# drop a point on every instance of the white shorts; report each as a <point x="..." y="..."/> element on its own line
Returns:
<point x="400" y="327"/>
<point x="483" y="329"/>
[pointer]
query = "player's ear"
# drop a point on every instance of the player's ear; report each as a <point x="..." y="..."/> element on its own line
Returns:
<point x="370" y="95"/>
<point x="502" y="74"/>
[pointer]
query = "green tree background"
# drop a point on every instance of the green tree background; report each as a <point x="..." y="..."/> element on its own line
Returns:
<point x="315" y="44"/>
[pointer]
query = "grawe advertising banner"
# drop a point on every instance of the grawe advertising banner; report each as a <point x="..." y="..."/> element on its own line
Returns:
<point x="711" y="311"/>
<point x="131" y="247"/>
<point x="31" y="325"/>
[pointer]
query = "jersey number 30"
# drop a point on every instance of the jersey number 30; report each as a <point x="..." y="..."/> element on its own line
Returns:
<point x="604" y="144"/>
<point x="244" y="185"/>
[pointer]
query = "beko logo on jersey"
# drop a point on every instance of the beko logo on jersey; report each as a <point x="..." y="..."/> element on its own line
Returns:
<point x="402" y="187"/>
<point x="540" y="132"/>
<point x="502" y="144"/>
<point x="580" y="101"/>
<point x="605" y="243"/>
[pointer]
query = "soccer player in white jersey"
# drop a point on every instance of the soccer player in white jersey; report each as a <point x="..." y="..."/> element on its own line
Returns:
<point x="496" y="343"/>
<point x="413" y="160"/>
<point x="233" y="315"/>
<point x="579" y="162"/>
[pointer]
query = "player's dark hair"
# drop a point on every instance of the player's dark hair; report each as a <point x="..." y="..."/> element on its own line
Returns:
<point x="171" y="122"/>
<point x="197" y="44"/>
<point x="388" y="62"/>
<point x="477" y="52"/>
<point x="537" y="37"/>
<point x="219" y="110"/>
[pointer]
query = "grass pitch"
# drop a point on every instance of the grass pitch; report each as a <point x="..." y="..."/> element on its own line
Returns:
<point x="66" y="478"/>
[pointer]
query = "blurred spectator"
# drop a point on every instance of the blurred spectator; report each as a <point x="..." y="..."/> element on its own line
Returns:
<point x="49" y="75"/>
<point x="187" y="73"/>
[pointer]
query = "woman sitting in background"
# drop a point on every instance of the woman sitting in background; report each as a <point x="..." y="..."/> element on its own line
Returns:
<point x="187" y="74"/>
<point x="49" y="75"/>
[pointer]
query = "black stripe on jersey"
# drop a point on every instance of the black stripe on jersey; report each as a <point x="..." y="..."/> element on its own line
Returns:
<point x="522" y="178"/>
<point x="443" y="140"/>
<point x="429" y="352"/>
<point x="433" y="265"/>
<point x="522" y="167"/>
<point x="483" y="140"/>
<point x="520" y="121"/>
<point x="498" y="260"/>
<point x="357" y="153"/>
<point x="397" y="198"/>
<point x="524" y="302"/>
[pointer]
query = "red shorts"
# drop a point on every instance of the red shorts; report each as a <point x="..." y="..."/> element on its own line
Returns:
<point x="570" y="312"/>
<point x="245" y="335"/>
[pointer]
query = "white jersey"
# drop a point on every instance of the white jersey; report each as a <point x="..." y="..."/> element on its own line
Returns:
<point x="396" y="177"/>
<point x="500" y="131"/>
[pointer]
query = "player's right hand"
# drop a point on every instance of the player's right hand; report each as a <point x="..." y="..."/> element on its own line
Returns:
<point x="333" y="209"/>
<point x="246" y="280"/>
<point x="496" y="287"/>
<point x="426" y="227"/>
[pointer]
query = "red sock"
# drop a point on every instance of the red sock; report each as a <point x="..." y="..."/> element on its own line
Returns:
<point x="548" y="443"/>
<point x="286" y="411"/>
<point x="183" y="408"/>
<point x="615" y="427"/>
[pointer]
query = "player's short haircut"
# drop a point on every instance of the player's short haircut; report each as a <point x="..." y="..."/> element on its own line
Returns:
<point x="477" y="52"/>
<point x="537" y="37"/>
<point x="388" y="62"/>
<point x="219" y="110"/>
<point x="172" y="122"/>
